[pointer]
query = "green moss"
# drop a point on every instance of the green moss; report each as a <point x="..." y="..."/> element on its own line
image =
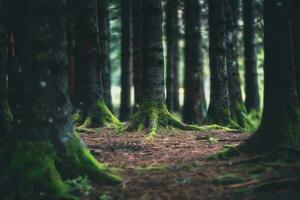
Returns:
<point x="101" y="117"/>
<point x="34" y="164"/>
<point x="83" y="163"/>
<point x="229" y="179"/>
<point x="227" y="153"/>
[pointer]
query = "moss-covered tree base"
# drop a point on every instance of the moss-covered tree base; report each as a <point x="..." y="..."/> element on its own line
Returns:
<point x="154" y="116"/>
<point x="101" y="117"/>
<point x="38" y="170"/>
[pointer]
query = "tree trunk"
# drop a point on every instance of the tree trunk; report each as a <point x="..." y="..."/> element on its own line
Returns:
<point x="44" y="151"/>
<point x="153" y="113"/>
<point x="103" y="20"/>
<point x="296" y="41"/>
<point x="194" y="106"/>
<point x="125" y="107"/>
<point x="218" y="111"/>
<point x="281" y="115"/>
<point x="172" y="32"/>
<point x="5" y="115"/>
<point x="137" y="47"/>
<point x="251" y="82"/>
<point x="97" y="113"/>
<point x="237" y="107"/>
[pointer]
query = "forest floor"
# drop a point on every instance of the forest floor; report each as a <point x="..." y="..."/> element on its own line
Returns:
<point x="175" y="166"/>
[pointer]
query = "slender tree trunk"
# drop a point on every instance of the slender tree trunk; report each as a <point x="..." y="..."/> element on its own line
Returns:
<point x="137" y="47"/>
<point x="237" y="107"/>
<point x="281" y="115"/>
<point x="125" y="107"/>
<point x="5" y="115"/>
<point x="218" y="111"/>
<point x="251" y="81"/>
<point x="296" y="41"/>
<point x="172" y="32"/>
<point x="194" y="107"/>
<point x="44" y="150"/>
<point x="103" y="20"/>
<point x="97" y="113"/>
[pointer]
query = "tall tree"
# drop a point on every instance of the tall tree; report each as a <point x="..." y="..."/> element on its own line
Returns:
<point x="103" y="20"/>
<point x="5" y="115"/>
<point x="97" y="113"/>
<point x="218" y="111"/>
<point x="126" y="63"/>
<point x="194" y="100"/>
<point x="251" y="81"/>
<point x="296" y="41"/>
<point x="172" y="33"/>
<point x="237" y="106"/>
<point x="153" y="113"/>
<point x="44" y="150"/>
<point x="137" y="47"/>
<point x="280" y="125"/>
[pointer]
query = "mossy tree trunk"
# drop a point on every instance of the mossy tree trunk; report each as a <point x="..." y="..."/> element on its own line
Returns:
<point x="103" y="20"/>
<point x="97" y="113"/>
<point x="153" y="113"/>
<point x="172" y="34"/>
<point x="251" y="81"/>
<point x="237" y="106"/>
<point x="137" y="47"/>
<point x="126" y="60"/>
<point x="194" y="107"/>
<point x="218" y="110"/>
<point x="43" y="150"/>
<point x="281" y="115"/>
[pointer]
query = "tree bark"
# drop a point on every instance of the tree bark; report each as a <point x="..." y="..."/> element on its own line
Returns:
<point x="194" y="106"/>
<point x="237" y="106"/>
<point x="97" y="113"/>
<point x="126" y="65"/>
<point x="5" y="115"/>
<point x="251" y="81"/>
<point x="296" y="41"/>
<point x="103" y="20"/>
<point x="172" y="32"/>
<point x="218" y="111"/>
<point x="44" y="151"/>
<point x="280" y="121"/>
<point x="137" y="47"/>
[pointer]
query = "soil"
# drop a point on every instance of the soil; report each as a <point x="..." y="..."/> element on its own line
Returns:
<point x="175" y="166"/>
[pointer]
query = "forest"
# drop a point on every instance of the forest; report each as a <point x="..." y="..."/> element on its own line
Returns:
<point x="150" y="100"/>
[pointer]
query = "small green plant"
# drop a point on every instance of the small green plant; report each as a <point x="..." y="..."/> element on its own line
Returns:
<point x="80" y="186"/>
<point x="104" y="197"/>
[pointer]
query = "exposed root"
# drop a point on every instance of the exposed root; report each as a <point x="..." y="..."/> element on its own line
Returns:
<point x="154" y="116"/>
<point x="101" y="117"/>
<point x="38" y="170"/>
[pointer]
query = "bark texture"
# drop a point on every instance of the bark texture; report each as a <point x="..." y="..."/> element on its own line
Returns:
<point x="251" y="81"/>
<point x="218" y="111"/>
<point x="194" y="107"/>
<point x="237" y="106"/>
<point x="172" y="33"/>
<point x="103" y="21"/>
<point x="96" y="113"/>
<point x="44" y="150"/>
<point x="126" y="60"/>
<point x="281" y="115"/>
<point x="137" y="47"/>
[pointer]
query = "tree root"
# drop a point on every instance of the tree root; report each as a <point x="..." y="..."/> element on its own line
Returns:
<point x="38" y="170"/>
<point x="154" y="116"/>
<point x="101" y="117"/>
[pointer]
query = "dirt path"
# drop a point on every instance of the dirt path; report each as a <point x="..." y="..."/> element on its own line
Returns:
<point x="170" y="167"/>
